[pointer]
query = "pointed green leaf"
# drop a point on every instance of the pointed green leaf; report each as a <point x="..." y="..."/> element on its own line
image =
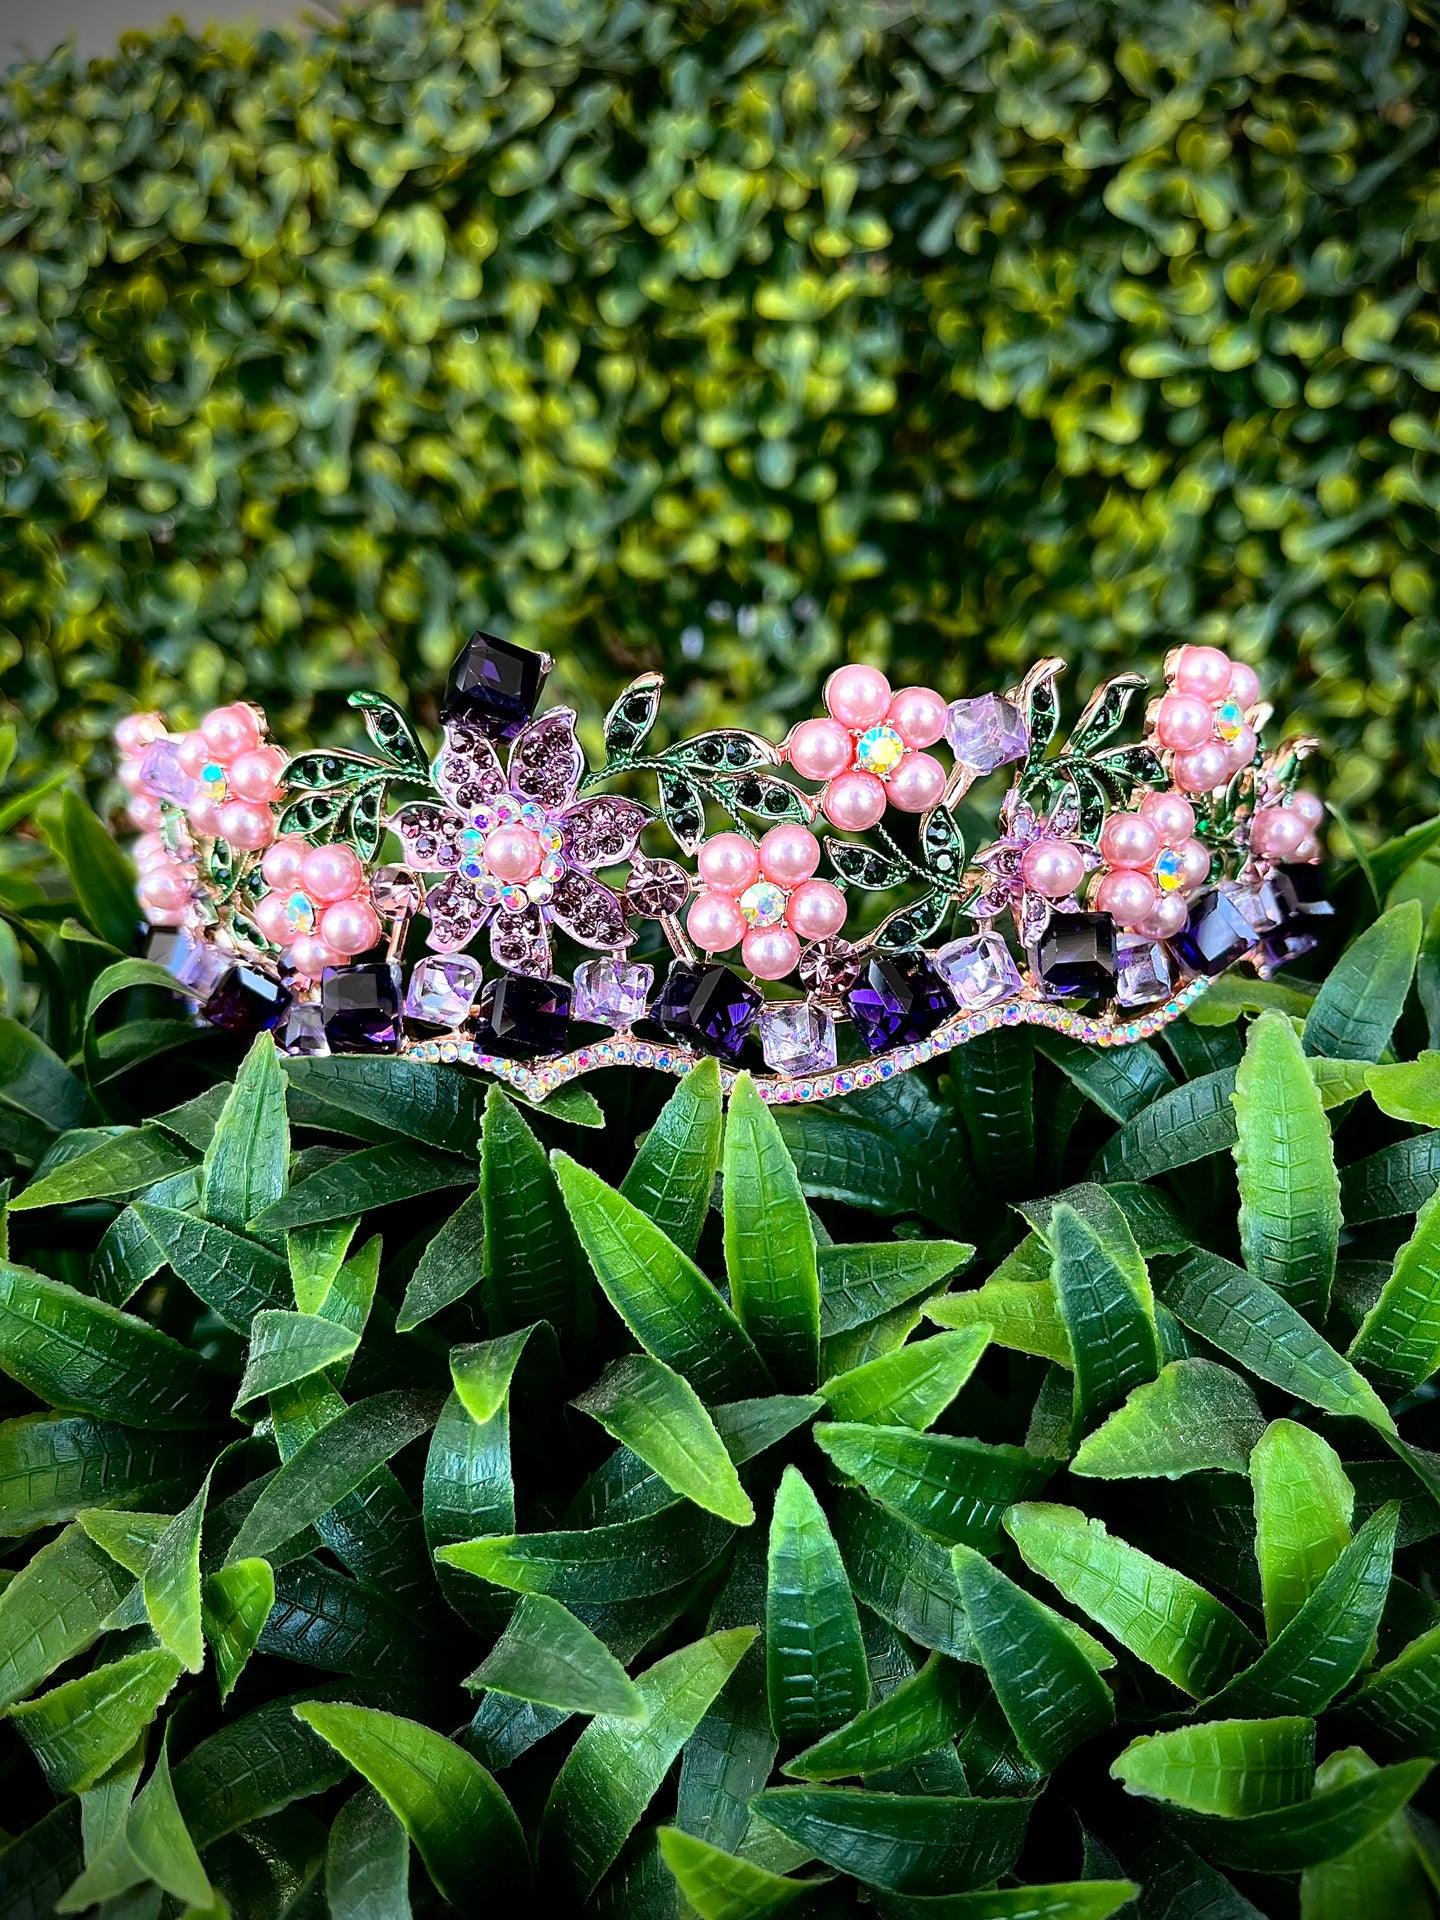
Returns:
<point x="924" y="1712"/>
<point x="123" y="1164"/>
<point x="1400" y="1702"/>
<point x="103" y="878"/>
<point x="1290" y="1838"/>
<point x="1103" y="1292"/>
<point x="449" y="1267"/>
<point x="1399" y="1179"/>
<point x="1060" y="1900"/>
<point x="769" y="1242"/>
<point x="171" y="1585"/>
<point x="1229" y="1767"/>
<point x="1303" y="1503"/>
<point x="1052" y="1696"/>
<point x="910" y="1842"/>
<point x="235" y="1603"/>
<point x="658" y="1291"/>
<point x="912" y="1386"/>
<point x="156" y="1835"/>
<point x="1400" y="1335"/>
<point x="251" y="1767"/>
<point x="616" y="1767"/>
<point x="672" y="1177"/>
<point x="1408" y="1090"/>
<point x="286" y="1347"/>
<point x="1364" y="993"/>
<point x="532" y="1266"/>
<point x="129" y="1538"/>
<point x="1120" y="1080"/>
<point x="859" y="1283"/>
<point x="1194" y="1417"/>
<point x="459" y="1819"/>
<point x="367" y="1863"/>
<point x="235" y="1277"/>
<point x="482" y="1373"/>
<point x="891" y="1149"/>
<point x="623" y="1561"/>
<point x="902" y="1575"/>
<point x="953" y="1488"/>
<point x="814" y="1657"/>
<point x="1289" y="1189"/>
<point x="248" y="1156"/>
<point x="468" y="1487"/>
<point x="315" y="1256"/>
<point x="54" y="1608"/>
<point x="1021" y="1314"/>
<point x="80" y="1729"/>
<point x="1183" y="1126"/>
<point x="1385" y="1873"/>
<point x="547" y="1656"/>
<point x="992" y="1083"/>
<point x="433" y="1104"/>
<point x="376" y="1176"/>
<point x="660" y="1417"/>
<point x="719" y="1886"/>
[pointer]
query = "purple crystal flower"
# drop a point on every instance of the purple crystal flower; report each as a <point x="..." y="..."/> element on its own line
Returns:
<point x="1002" y="881"/>
<point x="517" y="849"/>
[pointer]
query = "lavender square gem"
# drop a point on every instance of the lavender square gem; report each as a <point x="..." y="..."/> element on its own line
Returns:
<point x="442" y="989"/>
<point x="979" y="971"/>
<point x="797" y="1037"/>
<point x="1144" y="971"/>
<point x="986" y="732"/>
<point x="163" y="774"/>
<point x="611" y="991"/>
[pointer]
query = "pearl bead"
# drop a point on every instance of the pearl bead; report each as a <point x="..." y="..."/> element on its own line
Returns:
<point x="1129" y="840"/>
<point x="1052" y="867"/>
<point x="144" y="812"/>
<point x="1184" y="722"/>
<point x="789" y="855"/>
<point x="853" y="801"/>
<point x="1195" y="863"/>
<point x="1308" y="849"/>
<point x="512" y="854"/>
<point x="918" y="715"/>
<point x="164" y="916"/>
<point x="271" y="918"/>
<point x="203" y="814"/>
<point x="714" y="922"/>
<point x="816" y="910"/>
<point x="331" y="873"/>
<point x="193" y="754"/>
<point x="1165" y="922"/>
<point x="1244" y="684"/>
<point x="730" y="863"/>
<point x="1309" y="806"/>
<point x="1171" y="814"/>
<point x="819" y="749"/>
<point x="246" y="825"/>
<point x="130" y="776"/>
<point x="1203" y="670"/>
<point x="1128" y="897"/>
<point x="148" y="849"/>
<point x="1242" y="748"/>
<point x="283" y="860"/>
<point x="310" y="956"/>
<point x="165" y="887"/>
<point x="230" y="731"/>
<point x="135" y="732"/>
<point x="350" y="926"/>
<point x="256" y="775"/>
<point x="1203" y="769"/>
<point x="770" y="952"/>
<point x="857" y="696"/>
<point x="916" y="784"/>
<point x="1276" y="832"/>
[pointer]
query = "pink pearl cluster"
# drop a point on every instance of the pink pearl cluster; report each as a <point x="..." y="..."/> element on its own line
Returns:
<point x="763" y="899"/>
<point x="236" y="806"/>
<point x="1289" y="831"/>
<point x="868" y="753"/>
<point x="318" y="910"/>
<point x="165" y="885"/>
<point x="1204" y="718"/>
<point x="1155" y="864"/>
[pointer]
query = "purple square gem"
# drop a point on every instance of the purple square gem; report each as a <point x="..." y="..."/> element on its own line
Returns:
<point x="708" y="1006"/>
<point x="360" y="1007"/>
<point x="518" y="1016"/>
<point x="1144" y="971"/>
<point x="494" y="685"/>
<point x="1075" y="955"/>
<point x="246" y="1001"/>
<point x="797" y="1037"/>
<point x="1215" y="936"/>
<point x="897" y="1000"/>
<point x="979" y="971"/>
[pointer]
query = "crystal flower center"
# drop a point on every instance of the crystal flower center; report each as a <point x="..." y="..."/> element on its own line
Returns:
<point x="879" y="750"/>
<point x="1169" y="871"/>
<point x="763" y="904"/>
<point x="299" y="913"/>
<point x="1229" y="719"/>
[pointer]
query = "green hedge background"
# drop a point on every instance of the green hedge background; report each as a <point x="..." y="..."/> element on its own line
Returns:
<point x="730" y="339"/>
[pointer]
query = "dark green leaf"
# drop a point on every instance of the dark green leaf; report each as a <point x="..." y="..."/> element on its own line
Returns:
<point x="1289" y="1189"/>
<point x="923" y="1713"/>
<point x="1103" y="1292"/>
<point x="672" y="1177"/>
<point x="532" y="1266"/>
<point x="367" y="1863"/>
<point x="858" y="1283"/>
<point x="952" y="1488"/>
<point x="1397" y="1180"/>
<point x="103" y="878"/>
<point x="375" y="1177"/>
<point x="249" y="1152"/>
<point x="80" y="1729"/>
<point x="53" y="1609"/>
<point x="286" y="1347"/>
<point x="892" y="1149"/>
<point x="814" y="1658"/>
<point x="33" y="1079"/>
<point x="236" y="1277"/>
<point x="719" y="1886"/>
<point x="54" y="1465"/>
<point x="1120" y="1080"/>
<point x="624" y="1561"/>
<point x="547" y="1656"/>
<point x="1287" y="1838"/>
<point x="901" y="1574"/>
<point x="1362" y="997"/>
<point x="649" y="1408"/>
<point x="449" y="1267"/>
<point x="1188" y="1124"/>
<point x="913" y="1843"/>
<point x="992" y="1077"/>
<point x="911" y="1386"/>
<point x="1194" y="1417"/>
<point x="769" y="1242"/>
<point x="434" y="1104"/>
<point x="123" y="1164"/>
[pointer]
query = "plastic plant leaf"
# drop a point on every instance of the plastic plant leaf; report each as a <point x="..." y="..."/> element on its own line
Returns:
<point x="1051" y="1694"/>
<point x="351" y="1293"/>
<point x="315" y="1256"/>
<point x="1400" y="1335"/>
<point x="951" y="1487"/>
<point x="1228" y="1767"/>
<point x="81" y="1354"/>
<point x="129" y="1537"/>
<point x="235" y="1277"/>
<point x="912" y="1843"/>
<point x="286" y="1347"/>
<point x="1250" y="1324"/>
<point x="78" y="1730"/>
<point x="1322" y="1648"/>
<point x="482" y="1373"/>
<point x="54" y="1608"/>
<point x="658" y="1291"/>
<point x="377" y="1176"/>
<point x="1285" y="1162"/>
<point x="126" y="1163"/>
<point x="1162" y="1617"/>
<point x="616" y="1767"/>
<point x="235" y="1603"/>
<point x="649" y="1408"/>
<point x="1303" y="1505"/>
<point x="672" y="1177"/>
<point x="531" y="1263"/>
<point x="1385" y="1873"/>
<point x="462" y="1824"/>
<point x="151" y="1843"/>
<point x="1060" y="1900"/>
<point x="449" y="1267"/>
<point x="1326" y="1827"/>
<point x="912" y="1386"/>
<point x="769" y="1242"/>
<point x="171" y="1584"/>
<point x="367" y="1863"/>
<point x="902" y="1575"/>
<point x="1188" y="1124"/>
<point x="1119" y="1080"/>
<point x="859" y="1283"/>
<point x="1195" y="1416"/>
<point x="924" y="1712"/>
<point x="627" y="1560"/>
<point x="1362" y="997"/>
<point x="431" y="1104"/>
<point x="992" y="1083"/>
<point x="1408" y="1090"/>
<point x="816" y="1674"/>
<point x="1021" y="1314"/>
<point x="1396" y="1180"/>
<point x="1104" y="1297"/>
<point x="103" y="878"/>
<point x="248" y="1156"/>
<point x="720" y="1886"/>
<point x="892" y="1149"/>
<point x="547" y="1656"/>
<point x="468" y="1486"/>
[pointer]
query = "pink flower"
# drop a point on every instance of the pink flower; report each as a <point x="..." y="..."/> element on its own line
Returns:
<point x="867" y="752"/>
<point x="1038" y="863"/>
<point x="1204" y="719"/>
<point x="763" y="899"/>
<point x="1154" y="864"/>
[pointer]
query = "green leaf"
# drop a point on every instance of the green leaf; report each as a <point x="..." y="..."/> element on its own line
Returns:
<point x="235" y="1604"/>
<point x="482" y="1373"/>
<point x="459" y="1819"/>
<point x="235" y="1277"/>
<point x="171" y="1585"/>
<point x="52" y="1466"/>
<point x="79" y="1353"/>
<point x="376" y="1176"/>
<point x="328" y="1466"/>
<point x="103" y="878"/>
<point x="860" y="1282"/>
<point x="910" y="1842"/>
<point x="1232" y="994"/>
<point x="623" y="1561"/>
<point x="1385" y="1873"/>
<point x="128" y="1537"/>
<point x="1163" y="1617"/>
<point x="1398" y="1179"/>
<point x="672" y="1177"/>
<point x="658" y="1291"/>
<point x="1060" y="1900"/>
<point x="532" y="1265"/>
<point x="1289" y="1189"/>
<point x="433" y="1104"/>
<point x="54" y="1608"/>
<point x="912" y="1386"/>
<point x="124" y="1164"/>
<point x="1229" y="1767"/>
<point x="1408" y="1090"/>
<point x="547" y="1656"/>
<point x="315" y="1256"/>
<point x="815" y="1668"/>
<point x="1291" y="1838"/>
<point x="36" y="1081"/>
<point x="1103" y="1292"/>
<point x="1400" y="1702"/>
<point x="901" y="1574"/>
<point x="1194" y="1417"/>
<point x="719" y="1886"/>
<point x="1250" y="1323"/>
<point x="924" y="1712"/>
<point x="248" y="1156"/>
<point x="1052" y="1695"/>
<point x="1321" y="1648"/>
<point x="367" y="1863"/>
<point x="660" y="1417"/>
<point x="251" y="1767"/>
<point x="616" y="1767"/>
<point x="1022" y="1314"/>
<point x="1303" y="1504"/>
<point x="1400" y="1335"/>
<point x="1121" y="1081"/>
<point x="80" y="1729"/>
<point x="953" y="1488"/>
<point x="769" y="1242"/>
<point x="992" y="1081"/>
<point x="1188" y="1124"/>
<point x="449" y="1267"/>
<point x="151" y="1843"/>
<point x="1361" y="1000"/>
<point x="285" y="1347"/>
<point x="891" y="1149"/>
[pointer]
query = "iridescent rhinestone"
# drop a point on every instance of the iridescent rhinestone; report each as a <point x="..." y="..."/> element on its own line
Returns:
<point x="1229" y="719"/>
<point x="551" y="868"/>
<point x="1169" y="871"/>
<point x="879" y="750"/>
<point x="797" y="1037"/>
<point x="763" y="904"/>
<point x="532" y="815"/>
<point x="473" y="867"/>
<point x="551" y="839"/>
<point x="299" y="913"/>
<point x="514" y="899"/>
<point x="539" y="889"/>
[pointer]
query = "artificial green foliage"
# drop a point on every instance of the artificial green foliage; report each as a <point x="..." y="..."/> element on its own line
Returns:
<point x="726" y="341"/>
<point x="716" y="1512"/>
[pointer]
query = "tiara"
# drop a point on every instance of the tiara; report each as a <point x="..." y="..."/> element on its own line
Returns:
<point x="1128" y="876"/>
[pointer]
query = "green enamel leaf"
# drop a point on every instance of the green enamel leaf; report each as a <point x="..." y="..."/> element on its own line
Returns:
<point x="769" y="1242"/>
<point x="547" y="1656"/>
<point x="248" y="1156"/>
<point x="531" y="1263"/>
<point x="859" y="1283"/>
<point x="909" y="1842"/>
<point x="624" y="1561"/>
<point x="1289" y="1189"/>
<point x="367" y="1863"/>
<point x="1400" y="1335"/>
<point x="80" y="1729"/>
<point x="460" y="1821"/>
<point x="125" y="1164"/>
<point x="1103" y="1293"/>
<point x="1229" y="1767"/>
<point x="814" y="1657"/>
<point x="721" y="1887"/>
<point x="660" y="1417"/>
<point x="923" y="1713"/>
<point x="236" y="1277"/>
<point x="1362" y="997"/>
<point x="953" y="1488"/>
<point x="912" y="1386"/>
<point x="1303" y="1504"/>
<point x="55" y="1608"/>
<point x="235" y="1604"/>
<point x="286" y="1347"/>
<point x="672" y="1177"/>
<point x="1195" y="1416"/>
<point x="449" y="1267"/>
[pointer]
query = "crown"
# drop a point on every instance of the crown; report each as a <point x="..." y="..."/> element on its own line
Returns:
<point x="1121" y="879"/>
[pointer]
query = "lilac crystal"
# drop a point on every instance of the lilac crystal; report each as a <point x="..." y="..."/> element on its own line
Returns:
<point x="708" y="1006"/>
<point x="360" y="1007"/>
<point x="979" y="971"/>
<point x="1144" y="971"/>
<point x="797" y="1037"/>
<point x="202" y="968"/>
<point x="301" y="1033"/>
<point x="986" y="732"/>
<point x="442" y="989"/>
<point x="611" y="991"/>
<point x="518" y="1015"/>
<point x="898" y="999"/>
<point x="163" y="774"/>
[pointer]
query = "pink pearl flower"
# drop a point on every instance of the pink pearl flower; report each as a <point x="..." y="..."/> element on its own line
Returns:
<point x="869" y="752"/>
<point x="763" y="899"/>
<point x="1203" y="720"/>
<point x="306" y="916"/>
<point x="1151" y="859"/>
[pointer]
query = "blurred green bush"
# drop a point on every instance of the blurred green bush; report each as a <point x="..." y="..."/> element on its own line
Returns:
<point x="728" y="338"/>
